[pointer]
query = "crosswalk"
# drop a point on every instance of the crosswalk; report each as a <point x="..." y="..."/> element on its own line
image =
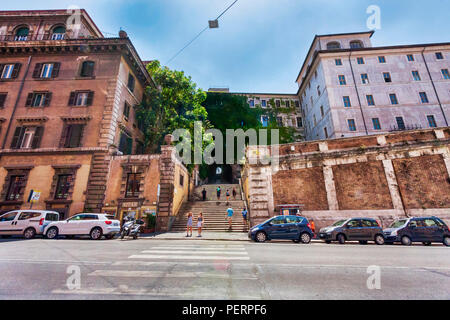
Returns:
<point x="189" y="271"/>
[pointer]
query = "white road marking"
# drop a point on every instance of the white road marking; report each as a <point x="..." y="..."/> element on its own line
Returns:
<point x="196" y="252"/>
<point x="163" y="274"/>
<point x="198" y="248"/>
<point x="186" y="257"/>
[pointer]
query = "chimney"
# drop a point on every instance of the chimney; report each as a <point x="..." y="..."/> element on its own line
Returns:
<point x="123" y="34"/>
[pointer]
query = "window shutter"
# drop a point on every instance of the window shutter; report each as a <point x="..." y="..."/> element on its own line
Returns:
<point x="2" y="66"/>
<point x="17" y="138"/>
<point x="73" y="96"/>
<point x="56" y="67"/>
<point x="123" y="143"/>
<point x="2" y="100"/>
<point x="29" y="99"/>
<point x="37" y="137"/>
<point x="129" y="146"/>
<point x="16" y="70"/>
<point x="75" y="135"/>
<point x="90" y="98"/>
<point x="37" y="70"/>
<point x="65" y="133"/>
<point x="47" y="99"/>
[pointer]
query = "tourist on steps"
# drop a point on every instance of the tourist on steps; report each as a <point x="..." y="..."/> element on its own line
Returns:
<point x="244" y="216"/>
<point x="230" y="212"/>
<point x="189" y="224"/>
<point x="204" y="194"/>
<point x="228" y="195"/>
<point x="234" y="193"/>
<point x="218" y="193"/>
<point x="200" y="222"/>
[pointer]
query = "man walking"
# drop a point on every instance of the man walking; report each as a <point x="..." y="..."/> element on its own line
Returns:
<point x="218" y="193"/>
<point x="204" y="194"/>
<point x="230" y="213"/>
<point x="244" y="216"/>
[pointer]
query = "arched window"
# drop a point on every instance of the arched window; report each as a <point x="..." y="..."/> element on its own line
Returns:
<point x="333" y="45"/>
<point x="58" y="33"/>
<point x="22" y="34"/>
<point x="356" y="44"/>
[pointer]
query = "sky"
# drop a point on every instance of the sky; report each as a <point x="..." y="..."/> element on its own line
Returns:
<point x="260" y="44"/>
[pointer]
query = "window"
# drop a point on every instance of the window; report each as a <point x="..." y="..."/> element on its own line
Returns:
<point x="63" y="186"/>
<point x="133" y="185"/>
<point x="322" y="113"/>
<point x="338" y="62"/>
<point x="125" y="144"/>
<point x="342" y="81"/>
<point x="72" y="135"/>
<point x="382" y="59"/>
<point x="410" y="57"/>
<point x="10" y="71"/>
<point x="393" y="98"/>
<point x="376" y="124"/>
<point x="27" y="138"/>
<point x="347" y="102"/>
<point x="59" y="33"/>
<point x="315" y="120"/>
<point x="3" y="99"/>
<point x="333" y="45"/>
<point x="278" y="103"/>
<point x="431" y="121"/>
<point x="38" y="99"/>
<point x="439" y="56"/>
<point x="22" y="34"/>
<point x="131" y="82"/>
<point x="445" y="74"/>
<point x="280" y="121"/>
<point x="356" y="44"/>
<point x="8" y="217"/>
<point x="181" y="180"/>
<point x="252" y="103"/>
<point x="400" y="123"/>
<point x="299" y="122"/>
<point x="81" y="98"/>
<point x="16" y="188"/>
<point x="423" y="97"/>
<point x="360" y="60"/>
<point x="263" y="103"/>
<point x="265" y="121"/>
<point x="416" y="76"/>
<point x="364" y="78"/>
<point x="370" y="100"/>
<point x="351" y="124"/>
<point x="87" y="69"/>
<point x="297" y="104"/>
<point x="288" y="104"/>
<point x="29" y="215"/>
<point x="126" y="111"/>
<point x="325" y="132"/>
<point x="387" y="77"/>
<point x="46" y="70"/>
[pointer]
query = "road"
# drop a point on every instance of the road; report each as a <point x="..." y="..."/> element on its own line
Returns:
<point x="194" y="269"/>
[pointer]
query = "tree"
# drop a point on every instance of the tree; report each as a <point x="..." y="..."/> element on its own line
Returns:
<point x="175" y="103"/>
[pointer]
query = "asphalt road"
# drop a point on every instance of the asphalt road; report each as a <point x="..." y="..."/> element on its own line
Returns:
<point x="192" y="269"/>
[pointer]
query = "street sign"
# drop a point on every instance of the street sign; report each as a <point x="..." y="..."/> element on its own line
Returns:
<point x="34" y="196"/>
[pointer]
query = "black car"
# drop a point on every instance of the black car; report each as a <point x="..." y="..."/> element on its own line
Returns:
<point x="356" y="229"/>
<point x="293" y="228"/>
<point x="426" y="230"/>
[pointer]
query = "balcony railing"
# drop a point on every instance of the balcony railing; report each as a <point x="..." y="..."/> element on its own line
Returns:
<point x="405" y="127"/>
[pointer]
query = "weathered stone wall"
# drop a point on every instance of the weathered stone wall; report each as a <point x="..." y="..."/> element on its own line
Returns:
<point x="383" y="177"/>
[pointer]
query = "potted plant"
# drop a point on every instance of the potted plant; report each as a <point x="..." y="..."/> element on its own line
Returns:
<point x="151" y="223"/>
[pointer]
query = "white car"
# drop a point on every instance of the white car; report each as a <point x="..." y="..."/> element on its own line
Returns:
<point x="93" y="224"/>
<point x="28" y="223"/>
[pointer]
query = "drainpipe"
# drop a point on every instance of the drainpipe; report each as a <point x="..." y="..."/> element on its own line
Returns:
<point x="434" y="87"/>
<point x="17" y="102"/>
<point x="357" y="93"/>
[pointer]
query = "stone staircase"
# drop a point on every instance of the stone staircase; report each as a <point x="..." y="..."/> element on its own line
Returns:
<point x="214" y="211"/>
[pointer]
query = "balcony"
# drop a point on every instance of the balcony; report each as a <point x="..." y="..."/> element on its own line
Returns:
<point x="405" y="128"/>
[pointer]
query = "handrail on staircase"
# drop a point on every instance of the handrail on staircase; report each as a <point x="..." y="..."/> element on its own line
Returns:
<point x="244" y="197"/>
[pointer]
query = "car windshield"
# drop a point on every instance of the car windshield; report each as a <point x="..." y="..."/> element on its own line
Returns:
<point x="339" y="223"/>
<point x="398" y="223"/>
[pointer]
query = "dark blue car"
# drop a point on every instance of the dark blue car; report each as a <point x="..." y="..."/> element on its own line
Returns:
<point x="426" y="230"/>
<point x="293" y="228"/>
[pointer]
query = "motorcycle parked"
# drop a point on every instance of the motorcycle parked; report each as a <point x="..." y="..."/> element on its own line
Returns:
<point x="131" y="228"/>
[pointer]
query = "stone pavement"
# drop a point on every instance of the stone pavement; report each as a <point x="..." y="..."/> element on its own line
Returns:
<point x="222" y="236"/>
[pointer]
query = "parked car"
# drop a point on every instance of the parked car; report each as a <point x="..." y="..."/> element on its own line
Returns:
<point x="355" y="229"/>
<point x="28" y="223"/>
<point x="426" y="230"/>
<point x="92" y="224"/>
<point x="293" y="228"/>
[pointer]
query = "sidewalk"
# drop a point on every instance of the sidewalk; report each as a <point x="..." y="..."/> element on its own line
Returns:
<point x="219" y="236"/>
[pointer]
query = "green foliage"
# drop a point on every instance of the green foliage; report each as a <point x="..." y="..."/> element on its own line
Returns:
<point x="151" y="221"/>
<point x="175" y="103"/>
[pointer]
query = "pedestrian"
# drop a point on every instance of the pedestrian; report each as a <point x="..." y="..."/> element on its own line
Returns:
<point x="200" y="222"/>
<point x="230" y="213"/>
<point x="219" y="190"/>
<point x="313" y="226"/>
<point x="204" y="194"/>
<point x="228" y="195"/>
<point x="189" y="224"/>
<point x="244" y="216"/>
<point x="234" y="193"/>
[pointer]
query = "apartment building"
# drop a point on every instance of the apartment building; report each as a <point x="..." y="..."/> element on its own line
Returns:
<point x="66" y="107"/>
<point x="348" y="88"/>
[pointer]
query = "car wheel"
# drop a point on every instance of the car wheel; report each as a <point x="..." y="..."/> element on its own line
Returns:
<point x="305" y="238"/>
<point x="363" y="242"/>
<point x="427" y="243"/>
<point x="96" y="234"/>
<point x="29" y="233"/>
<point x="446" y="241"/>
<point x="261" y="237"/>
<point x="406" y="241"/>
<point x="341" y="238"/>
<point x="379" y="239"/>
<point x="52" y="233"/>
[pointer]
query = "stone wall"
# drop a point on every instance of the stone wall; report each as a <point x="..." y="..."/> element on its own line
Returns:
<point x="383" y="177"/>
